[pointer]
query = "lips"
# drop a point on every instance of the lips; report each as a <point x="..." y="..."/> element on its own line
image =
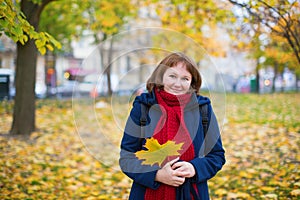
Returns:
<point x="177" y="91"/>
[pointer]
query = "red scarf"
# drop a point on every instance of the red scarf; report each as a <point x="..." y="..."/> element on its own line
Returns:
<point x="171" y="126"/>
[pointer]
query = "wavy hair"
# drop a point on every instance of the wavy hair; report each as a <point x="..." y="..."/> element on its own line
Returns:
<point x="156" y="78"/>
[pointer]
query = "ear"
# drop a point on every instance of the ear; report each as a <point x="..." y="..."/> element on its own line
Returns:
<point x="193" y="86"/>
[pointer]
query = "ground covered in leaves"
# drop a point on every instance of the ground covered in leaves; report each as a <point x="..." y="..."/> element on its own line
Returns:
<point x="260" y="136"/>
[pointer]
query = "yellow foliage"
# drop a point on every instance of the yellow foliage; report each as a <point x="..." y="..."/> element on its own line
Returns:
<point x="221" y="192"/>
<point x="54" y="164"/>
<point x="157" y="153"/>
<point x="295" y="193"/>
<point x="267" y="188"/>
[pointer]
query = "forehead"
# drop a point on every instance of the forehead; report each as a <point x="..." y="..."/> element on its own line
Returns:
<point x="179" y="68"/>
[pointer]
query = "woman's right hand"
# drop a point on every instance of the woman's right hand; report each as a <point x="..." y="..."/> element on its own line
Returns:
<point x="169" y="176"/>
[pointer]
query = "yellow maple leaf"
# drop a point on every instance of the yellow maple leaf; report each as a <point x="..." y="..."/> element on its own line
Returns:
<point x="157" y="153"/>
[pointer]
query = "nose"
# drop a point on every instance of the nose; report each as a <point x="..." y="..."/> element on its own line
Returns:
<point x="177" y="82"/>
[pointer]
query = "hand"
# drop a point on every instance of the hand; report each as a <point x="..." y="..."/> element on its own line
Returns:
<point x="169" y="176"/>
<point x="185" y="169"/>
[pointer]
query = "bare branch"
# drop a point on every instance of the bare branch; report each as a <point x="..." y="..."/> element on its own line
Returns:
<point x="276" y="15"/>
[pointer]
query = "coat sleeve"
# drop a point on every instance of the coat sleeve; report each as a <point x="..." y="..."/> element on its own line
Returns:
<point x="131" y="143"/>
<point x="211" y="155"/>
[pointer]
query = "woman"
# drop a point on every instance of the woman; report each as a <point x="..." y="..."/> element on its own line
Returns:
<point x="173" y="115"/>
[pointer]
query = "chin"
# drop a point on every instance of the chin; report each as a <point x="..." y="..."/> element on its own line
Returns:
<point x="178" y="93"/>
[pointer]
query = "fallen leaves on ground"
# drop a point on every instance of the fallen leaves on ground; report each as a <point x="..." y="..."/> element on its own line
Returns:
<point x="262" y="142"/>
<point x="261" y="139"/>
<point x="53" y="163"/>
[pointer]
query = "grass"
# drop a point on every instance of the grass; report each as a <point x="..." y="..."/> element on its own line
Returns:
<point x="77" y="159"/>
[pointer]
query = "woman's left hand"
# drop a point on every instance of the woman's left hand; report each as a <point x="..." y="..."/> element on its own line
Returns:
<point x="186" y="169"/>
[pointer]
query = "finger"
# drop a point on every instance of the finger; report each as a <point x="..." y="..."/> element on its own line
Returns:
<point x="180" y="173"/>
<point x="183" y="174"/>
<point x="173" y="161"/>
<point x="177" y="184"/>
<point x="180" y="180"/>
<point x="177" y="165"/>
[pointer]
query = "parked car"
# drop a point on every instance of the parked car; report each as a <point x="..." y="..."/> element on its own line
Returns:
<point x="66" y="89"/>
<point x="7" y="88"/>
<point x="90" y="86"/>
<point x="94" y="85"/>
<point x="40" y="87"/>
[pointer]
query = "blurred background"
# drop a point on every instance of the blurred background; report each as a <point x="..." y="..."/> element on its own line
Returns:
<point x="70" y="69"/>
<point x="254" y="44"/>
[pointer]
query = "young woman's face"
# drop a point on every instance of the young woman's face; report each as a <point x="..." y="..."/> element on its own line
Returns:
<point x="177" y="80"/>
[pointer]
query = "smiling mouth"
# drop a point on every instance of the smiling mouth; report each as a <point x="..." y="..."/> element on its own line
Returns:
<point x="177" y="91"/>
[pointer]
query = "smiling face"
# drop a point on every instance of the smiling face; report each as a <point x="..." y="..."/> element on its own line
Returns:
<point x="184" y="71"/>
<point x="177" y="80"/>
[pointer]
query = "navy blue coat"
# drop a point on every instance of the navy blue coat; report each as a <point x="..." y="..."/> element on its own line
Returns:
<point x="209" y="152"/>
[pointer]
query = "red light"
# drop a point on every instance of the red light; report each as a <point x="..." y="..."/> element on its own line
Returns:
<point x="50" y="71"/>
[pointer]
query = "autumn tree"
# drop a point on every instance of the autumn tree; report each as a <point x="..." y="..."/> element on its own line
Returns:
<point x="64" y="19"/>
<point x="20" y="23"/>
<point x="279" y="18"/>
<point x="280" y="55"/>
<point x="106" y="18"/>
<point x="197" y="19"/>
<point x="68" y="19"/>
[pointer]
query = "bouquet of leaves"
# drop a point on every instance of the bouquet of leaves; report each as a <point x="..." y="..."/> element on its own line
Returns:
<point x="156" y="153"/>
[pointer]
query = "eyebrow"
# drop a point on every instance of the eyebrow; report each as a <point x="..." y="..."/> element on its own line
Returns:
<point x="173" y="72"/>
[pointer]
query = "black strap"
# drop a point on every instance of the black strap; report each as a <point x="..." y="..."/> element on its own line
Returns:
<point x="205" y="119"/>
<point x="143" y="119"/>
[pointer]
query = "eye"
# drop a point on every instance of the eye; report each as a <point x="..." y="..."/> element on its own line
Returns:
<point x="186" y="79"/>
<point x="172" y="76"/>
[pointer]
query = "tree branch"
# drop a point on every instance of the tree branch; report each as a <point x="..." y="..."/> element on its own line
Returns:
<point x="282" y="19"/>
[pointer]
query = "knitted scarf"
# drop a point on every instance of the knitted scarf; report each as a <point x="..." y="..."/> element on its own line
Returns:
<point x="171" y="126"/>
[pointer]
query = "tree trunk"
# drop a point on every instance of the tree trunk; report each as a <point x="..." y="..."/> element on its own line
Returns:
<point x="24" y="108"/>
<point x="109" y="65"/>
<point x="103" y="57"/>
<point x="297" y="81"/>
<point x="282" y="83"/>
<point x="274" y="77"/>
<point x="257" y="77"/>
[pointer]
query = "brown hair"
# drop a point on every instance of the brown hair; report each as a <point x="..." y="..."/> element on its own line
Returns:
<point x="172" y="60"/>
